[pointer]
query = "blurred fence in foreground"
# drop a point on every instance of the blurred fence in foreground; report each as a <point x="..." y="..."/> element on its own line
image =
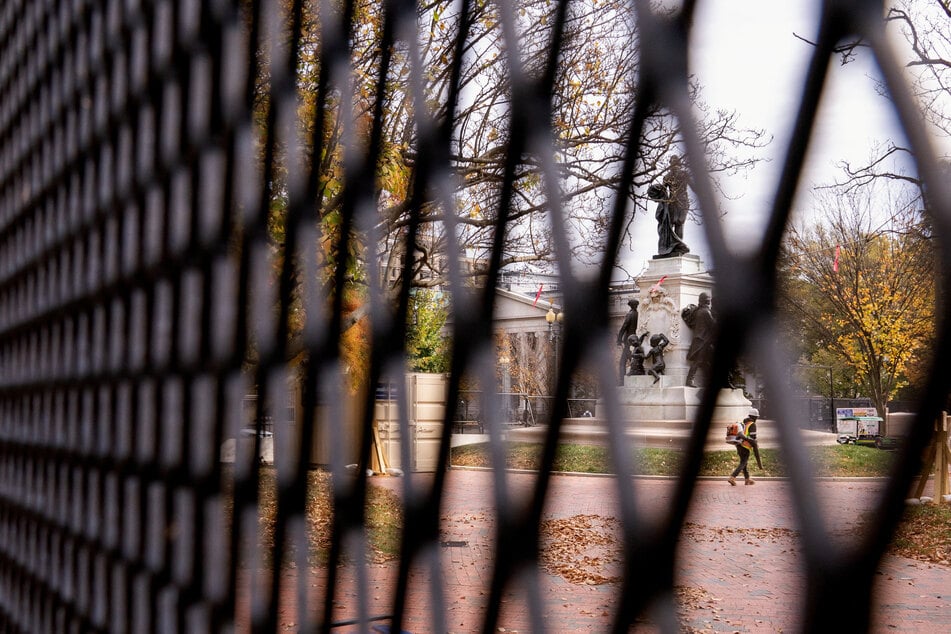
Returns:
<point x="144" y="291"/>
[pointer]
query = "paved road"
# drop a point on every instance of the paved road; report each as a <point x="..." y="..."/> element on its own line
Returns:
<point x="912" y="596"/>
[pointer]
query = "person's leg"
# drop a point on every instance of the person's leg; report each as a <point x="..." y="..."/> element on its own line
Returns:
<point x="744" y="455"/>
<point x="739" y="467"/>
<point x="746" y="460"/>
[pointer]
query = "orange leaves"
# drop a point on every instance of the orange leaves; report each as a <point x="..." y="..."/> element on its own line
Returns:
<point x="583" y="549"/>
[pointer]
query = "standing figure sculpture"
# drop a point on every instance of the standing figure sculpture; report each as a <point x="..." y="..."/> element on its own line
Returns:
<point x="678" y="202"/>
<point x="669" y="244"/>
<point x="656" y="355"/>
<point x="628" y="328"/>
<point x="700" y="320"/>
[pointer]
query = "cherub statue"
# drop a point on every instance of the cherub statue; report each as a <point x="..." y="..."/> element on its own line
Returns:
<point x="635" y="343"/>
<point x="656" y="354"/>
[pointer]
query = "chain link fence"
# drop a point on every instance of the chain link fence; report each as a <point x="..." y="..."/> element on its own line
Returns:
<point x="164" y="252"/>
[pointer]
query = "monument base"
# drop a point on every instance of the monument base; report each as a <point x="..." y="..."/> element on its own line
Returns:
<point x="644" y="401"/>
<point x="665" y="289"/>
<point x="668" y="286"/>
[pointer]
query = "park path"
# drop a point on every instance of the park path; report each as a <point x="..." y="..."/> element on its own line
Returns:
<point x="911" y="596"/>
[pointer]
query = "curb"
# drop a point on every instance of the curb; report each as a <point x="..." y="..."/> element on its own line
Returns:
<point x="674" y="477"/>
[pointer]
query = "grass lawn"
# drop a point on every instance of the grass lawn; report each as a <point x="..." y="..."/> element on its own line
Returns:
<point x="837" y="460"/>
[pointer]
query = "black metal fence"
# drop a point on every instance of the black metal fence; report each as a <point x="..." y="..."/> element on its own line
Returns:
<point x="148" y="277"/>
<point x="516" y="408"/>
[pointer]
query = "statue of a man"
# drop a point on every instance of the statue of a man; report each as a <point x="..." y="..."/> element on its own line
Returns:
<point x="669" y="244"/>
<point x="701" y="321"/>
<point x="678" y="201"/>
<point x="628" y="328"/>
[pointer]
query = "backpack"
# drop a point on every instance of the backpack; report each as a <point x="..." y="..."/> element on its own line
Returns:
<point x="732" y="431"/>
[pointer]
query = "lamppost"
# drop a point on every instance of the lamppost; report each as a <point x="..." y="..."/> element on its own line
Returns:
<point x="883" y="382"/>
<point x="504" y="362"/>
<point x="554" y="323"/>
<point x="554" y="333"/>
<point x="831" y="398"/>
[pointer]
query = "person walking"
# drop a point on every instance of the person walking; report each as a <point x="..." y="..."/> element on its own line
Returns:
<point x="747" y="443"/>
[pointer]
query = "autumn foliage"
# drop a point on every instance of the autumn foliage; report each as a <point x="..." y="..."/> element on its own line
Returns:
<point x="871" y="309"/>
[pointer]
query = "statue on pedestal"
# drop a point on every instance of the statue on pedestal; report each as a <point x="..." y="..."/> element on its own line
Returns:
<point x="656" y="355"/>
<point x="678" y="202"/>
<point x="671" y="213"/>
<point x="628" y="328"/>
<point x="635" y="344"/>
<point x="700" y="320"/>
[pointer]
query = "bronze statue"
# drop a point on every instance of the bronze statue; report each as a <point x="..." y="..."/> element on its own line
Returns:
<point x="671" y="213"/>
<point x="628" y="328"/>
<point x="678" y="201"/>
<point x="700" y="320"/>
<point x="656" y="354"/>
<point x="635" y="344"/>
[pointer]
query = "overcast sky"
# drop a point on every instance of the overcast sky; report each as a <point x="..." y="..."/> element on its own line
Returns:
<point x="747" y="58"/>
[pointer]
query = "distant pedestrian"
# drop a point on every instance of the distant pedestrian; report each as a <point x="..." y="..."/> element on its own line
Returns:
<point x="747" y="443"/>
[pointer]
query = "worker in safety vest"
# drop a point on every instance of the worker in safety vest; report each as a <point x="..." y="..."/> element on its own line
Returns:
<point x="747" y="438"/>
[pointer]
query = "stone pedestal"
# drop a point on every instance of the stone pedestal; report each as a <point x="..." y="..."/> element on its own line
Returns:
<point x="645" y="402"/>
<point x="682" y="279"/>
<point x="666" y="288"/>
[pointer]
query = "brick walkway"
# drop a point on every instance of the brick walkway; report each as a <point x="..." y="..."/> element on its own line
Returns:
<point x="912" y="596"/>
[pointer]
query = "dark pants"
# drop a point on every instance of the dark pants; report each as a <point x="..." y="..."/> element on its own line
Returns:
<point x="744" y="454"/>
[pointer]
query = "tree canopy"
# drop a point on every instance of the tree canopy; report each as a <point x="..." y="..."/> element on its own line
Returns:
<point x="593" y="100"/>
<point x="922" y="30"/>
<point x="858" y="288"/>
<point x="873" y="319"/>
<point x="361" y="83"/>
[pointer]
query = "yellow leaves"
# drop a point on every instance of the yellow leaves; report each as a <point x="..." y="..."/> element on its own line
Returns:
<point x="355" y="345"/>
<point x="876" y="312"/>
<point x="393" y="174"/>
